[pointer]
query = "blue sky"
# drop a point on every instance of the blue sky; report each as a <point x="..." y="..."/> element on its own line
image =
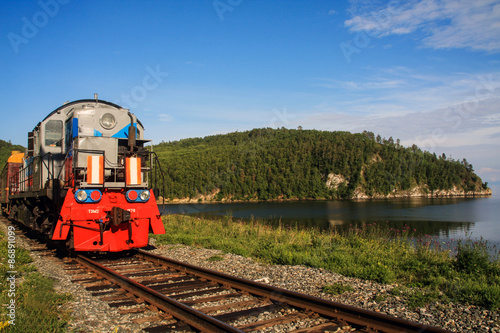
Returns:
<point x="424" y="71"/>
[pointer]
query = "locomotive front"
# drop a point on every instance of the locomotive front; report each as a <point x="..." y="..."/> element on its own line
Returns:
<point x="110" y="206"/>
<point x="87" y="160"/>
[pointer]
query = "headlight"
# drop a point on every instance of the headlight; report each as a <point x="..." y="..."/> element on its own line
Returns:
<point x="108" y="121"/>
<point x="95" y="195"/>
<point x="88" y="196"/>
<point x="137" y="195"/>
<point x="81" y="196"/>
<point x="144" y="195"/>
<point x="131" y="195"/>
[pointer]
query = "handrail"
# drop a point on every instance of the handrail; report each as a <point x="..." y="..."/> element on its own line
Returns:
<point x="49" y="159"/>
<point x="63" y="168"/>
<point x="23" y="180"/>
<point x="158" y="167"/>
<point x="108" y="165"/>
<point x="88" y="151"/>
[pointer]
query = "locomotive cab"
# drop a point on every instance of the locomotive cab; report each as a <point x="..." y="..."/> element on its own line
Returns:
<point x="97" y="131"/>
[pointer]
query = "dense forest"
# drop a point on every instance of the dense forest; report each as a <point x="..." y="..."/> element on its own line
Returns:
<point x="5" y="151"/>
<point x="265" y="164"/>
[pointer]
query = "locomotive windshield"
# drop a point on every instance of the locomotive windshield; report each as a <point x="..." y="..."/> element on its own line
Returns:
<point x="53" y="133"/>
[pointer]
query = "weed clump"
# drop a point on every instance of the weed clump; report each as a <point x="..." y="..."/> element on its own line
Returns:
<point x="473" y="257"/>
<point x="215" y="258"/>
<point x="336" y="289"/>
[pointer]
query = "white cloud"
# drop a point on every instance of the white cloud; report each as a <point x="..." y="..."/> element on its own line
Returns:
<point x="444" y="24"/>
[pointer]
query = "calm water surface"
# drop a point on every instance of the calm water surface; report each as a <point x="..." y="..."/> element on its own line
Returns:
<point x="442" y="217"/>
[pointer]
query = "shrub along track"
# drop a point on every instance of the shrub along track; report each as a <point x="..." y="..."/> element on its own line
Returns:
<point x="191" y="298"/>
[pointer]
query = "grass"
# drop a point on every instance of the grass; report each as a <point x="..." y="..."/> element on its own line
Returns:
<point x="215" y="258"/>
<point x="37" y="307"/>
<point x="336" y="289"/>
<point x="465" y="274"/>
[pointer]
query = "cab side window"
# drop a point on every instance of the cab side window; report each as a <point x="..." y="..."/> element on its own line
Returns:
<point x="53" y="133"/>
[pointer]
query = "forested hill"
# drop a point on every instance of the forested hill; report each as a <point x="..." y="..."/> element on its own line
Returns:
<point x="5" y="151"/>
<point x="264" y="164"/>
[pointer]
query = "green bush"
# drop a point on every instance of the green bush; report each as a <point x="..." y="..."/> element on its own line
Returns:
<point x="472" y="257"/>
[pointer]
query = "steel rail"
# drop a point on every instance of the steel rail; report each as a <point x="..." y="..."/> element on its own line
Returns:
<point x="350" y="314"/>
<point x="178" y="310"/>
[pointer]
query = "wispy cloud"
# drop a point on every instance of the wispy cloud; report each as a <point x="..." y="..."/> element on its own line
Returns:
<point x="490" y="173"/>
<point x="193" y="63"/>
<point x="442" y="24"/>
<point x="384" y="91"/>
<point x="381" y="83"/>
<point x="433" y="130"/>
<point x="456" y="112"/>
<point x="165" y="117"/>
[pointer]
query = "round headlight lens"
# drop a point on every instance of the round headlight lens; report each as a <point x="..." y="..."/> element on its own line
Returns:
<point x="132" y="195"/>
<point x="95" y="195"/>
<point x="81" y="196"/>
<point x="144" y="195"/>
<point x="108" y="121"/>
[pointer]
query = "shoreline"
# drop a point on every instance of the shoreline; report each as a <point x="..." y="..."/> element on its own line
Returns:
<point x="200" y="199"/>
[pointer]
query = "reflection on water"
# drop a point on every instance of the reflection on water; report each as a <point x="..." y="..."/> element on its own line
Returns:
<point x="442" y="217"/>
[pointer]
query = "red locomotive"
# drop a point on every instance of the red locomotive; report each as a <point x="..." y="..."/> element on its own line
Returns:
<point x="87" y="178"/>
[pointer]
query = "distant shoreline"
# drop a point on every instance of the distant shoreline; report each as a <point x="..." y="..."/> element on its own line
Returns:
<point x="439" y="194"/>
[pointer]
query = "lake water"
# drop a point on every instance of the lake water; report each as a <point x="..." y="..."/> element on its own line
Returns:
<point x="445" y="218"/>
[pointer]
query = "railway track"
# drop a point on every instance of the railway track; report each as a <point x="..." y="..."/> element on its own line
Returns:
<point x="189" y="298"/>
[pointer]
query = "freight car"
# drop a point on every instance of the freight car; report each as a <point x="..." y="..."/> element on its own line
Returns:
<point x="87" y="178"/>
